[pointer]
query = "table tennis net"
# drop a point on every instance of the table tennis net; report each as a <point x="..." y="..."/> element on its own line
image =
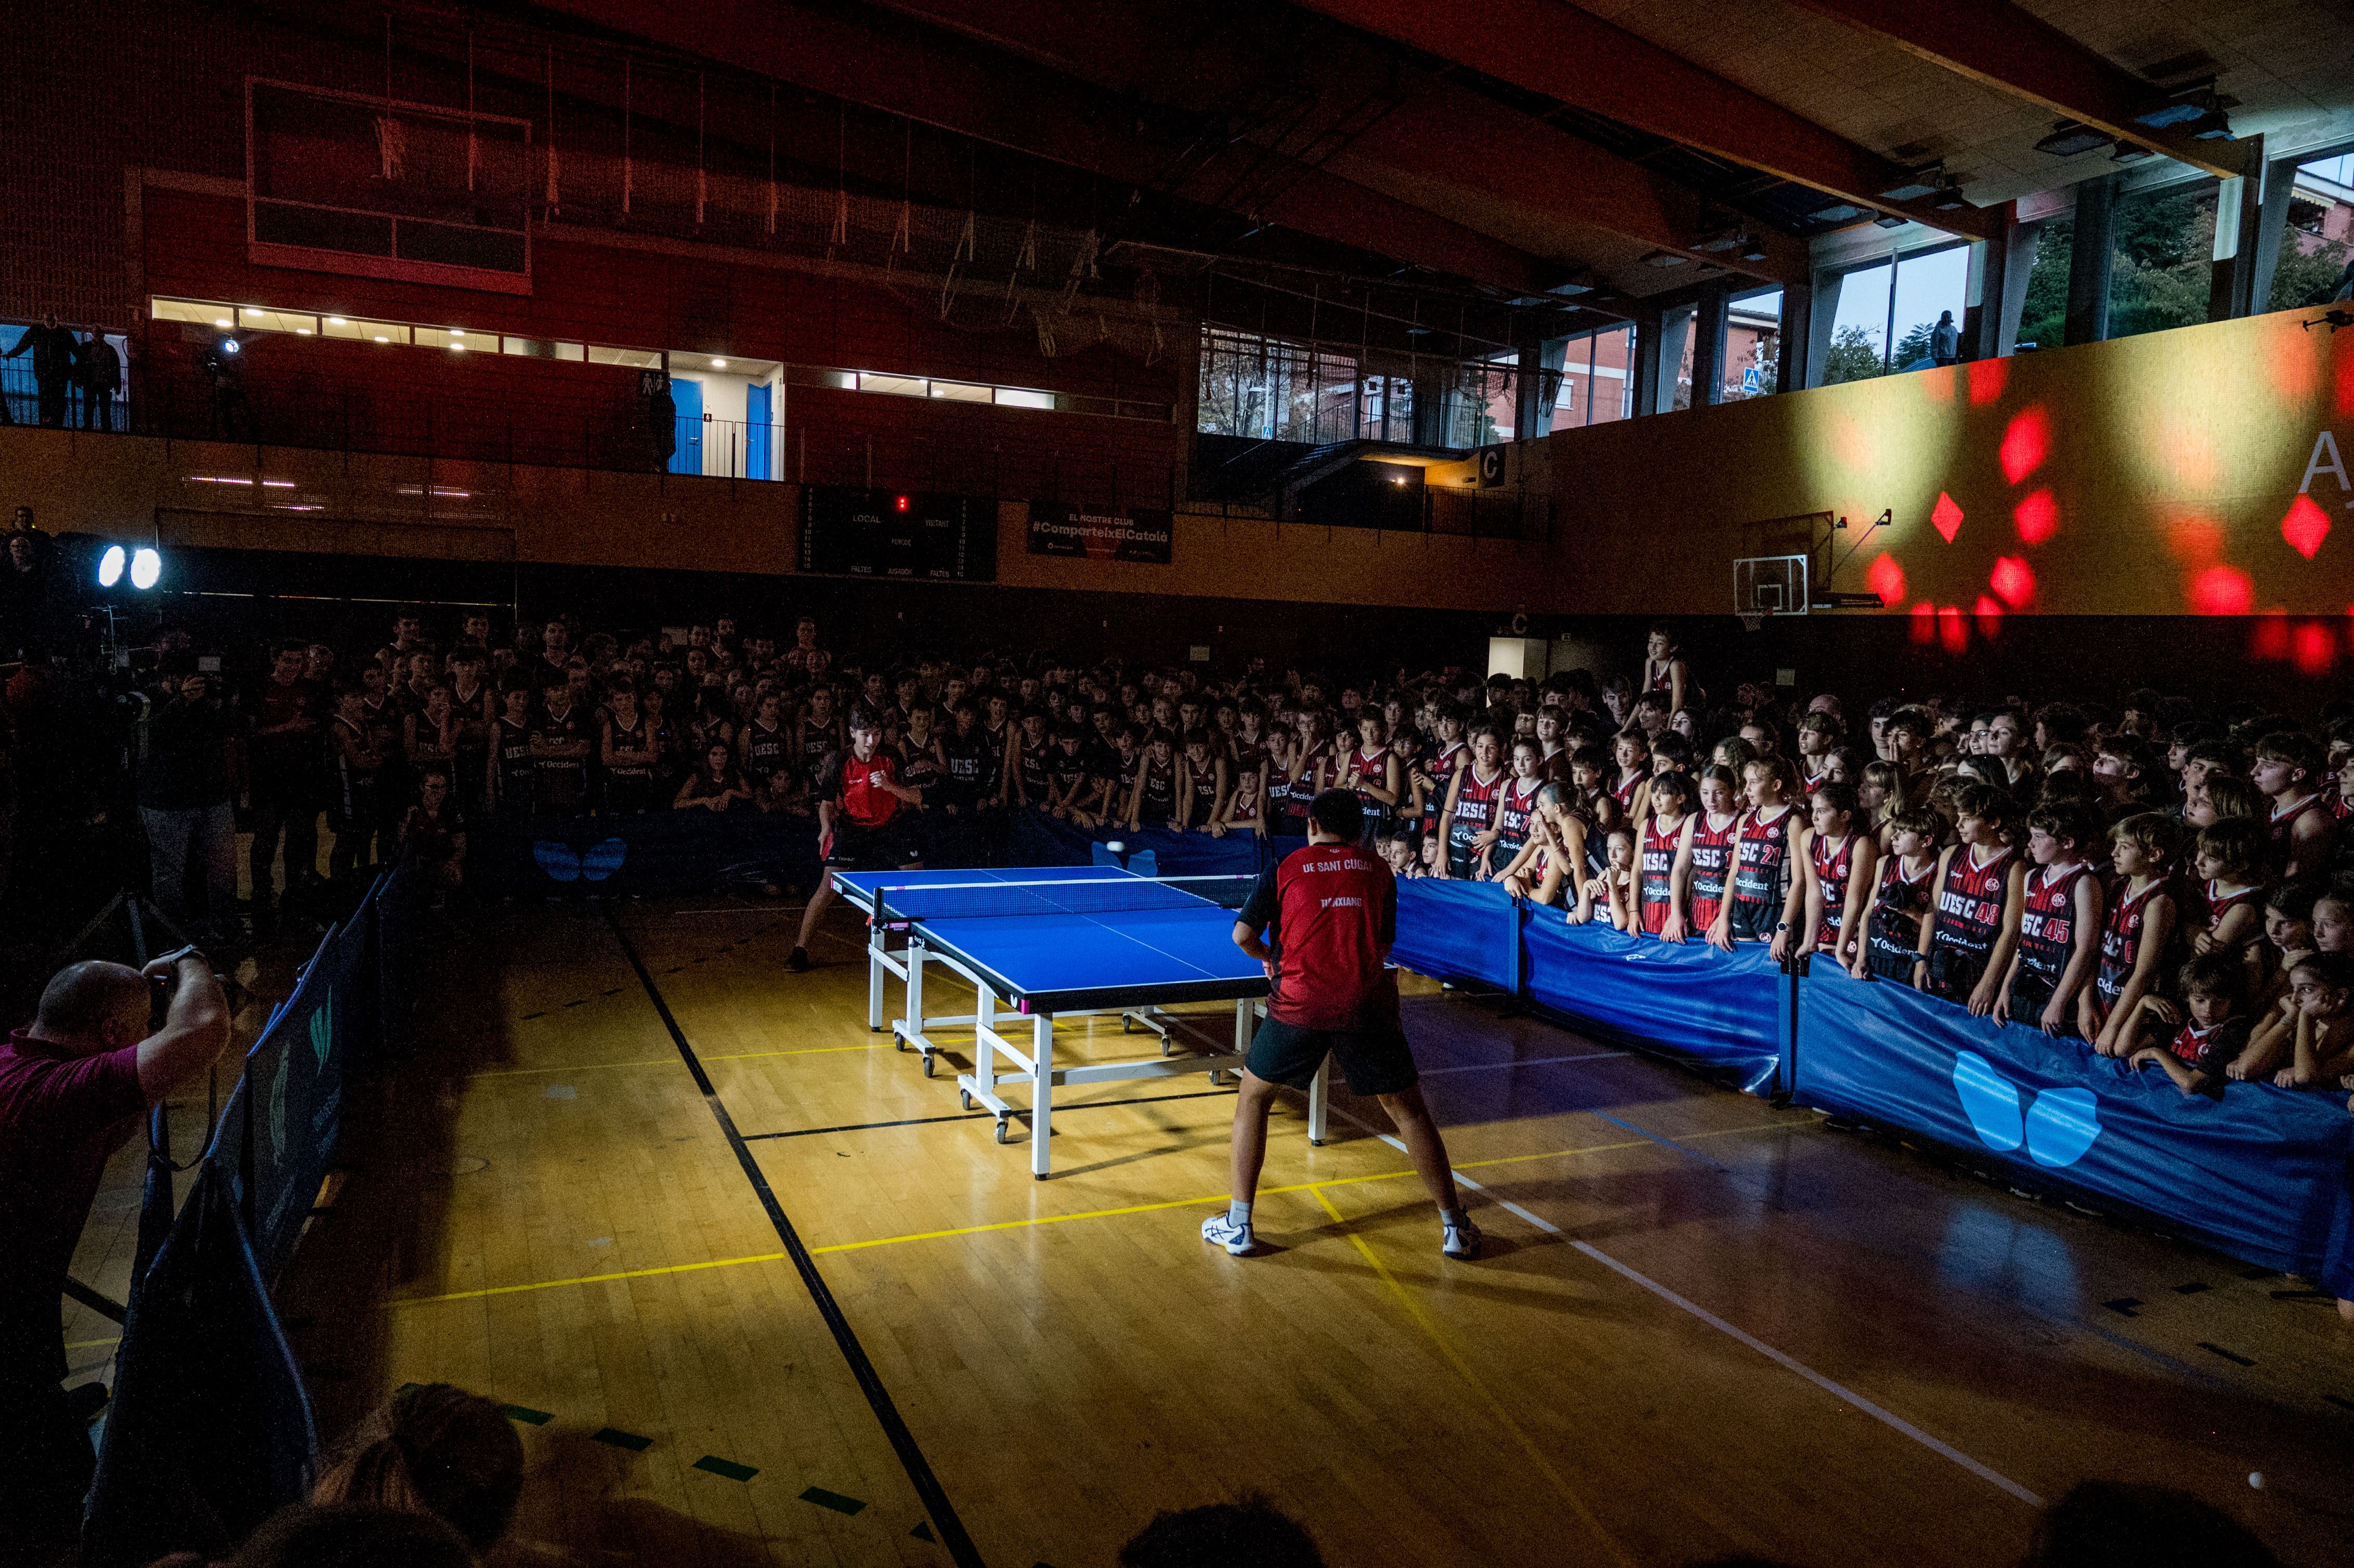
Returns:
<point x="1103" y="896"/>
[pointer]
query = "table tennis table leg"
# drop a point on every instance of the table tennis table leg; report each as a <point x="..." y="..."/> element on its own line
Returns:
<point x="1319" y="1096"/>
<point x="912" y="1026"/>
<point x="874" y="950"/>
<point x="984" y="1045"/>
<point x="1042" y="1094"/>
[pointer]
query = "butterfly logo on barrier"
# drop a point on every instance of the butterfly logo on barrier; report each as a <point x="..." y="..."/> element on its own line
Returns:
<point x="323" y="1029"/>
<point x="2058" y="1128"/>
<point x="564" y="864"/>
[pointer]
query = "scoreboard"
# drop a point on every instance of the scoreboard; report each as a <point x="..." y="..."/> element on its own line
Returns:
<point x="849" y="532"/>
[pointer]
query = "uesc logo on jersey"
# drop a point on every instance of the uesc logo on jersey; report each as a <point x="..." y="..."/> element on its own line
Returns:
<point x="2057" y="1130"/>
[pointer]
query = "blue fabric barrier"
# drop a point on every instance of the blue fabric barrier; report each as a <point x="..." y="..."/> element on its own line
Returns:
<point x="209" y="1430"/>
<point x="1458" y="931"/>
<point x="661" y="851"/>
<point x="1725" y="1009"/>
<point x="295" y="1076"/>
<point x="2261" y="1173"/>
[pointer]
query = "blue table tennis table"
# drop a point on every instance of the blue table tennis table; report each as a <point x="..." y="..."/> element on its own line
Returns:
<point x="1058" y="941"/>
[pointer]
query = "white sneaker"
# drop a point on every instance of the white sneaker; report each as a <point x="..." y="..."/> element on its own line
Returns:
<point x="1459" y="1241"/>
<point x="1220" y="1230"/>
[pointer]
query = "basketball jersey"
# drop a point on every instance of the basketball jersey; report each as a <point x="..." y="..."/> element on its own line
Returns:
<point x="1624" y="790"/>
<point x="1711" y="864"/>
<point x="630" y="738"/>
<point x="1760" y="861"/>
<point x="2220" y="904"/>
<point x="1832" y="872"/>
<point x="2282" y="826"/>
<point x="818" y="742"/>
<point x="2047" y="925"/>
<point x="1243" y="809"/>
<point x="1896" y="911"/>
<point x="560" y="780"/>
<point x="1513" y="810"/>
<point x="919" y="764"/>
<point x="1158" y="801"/>
<point x="2121" y="939"/>
<point x="1373" y="767"/>
<point x="1970" y="905"/>
<point x="1300" y="786"/>
<point x="1206" y="792"/>
<point x="1440" y="768"/>
<point x="993" y="742"/>
<point x="1034" y="765"/>
<point x="1658" y="869"/>
<point x="765" y="750"/>
<point x="1475" y="811"/>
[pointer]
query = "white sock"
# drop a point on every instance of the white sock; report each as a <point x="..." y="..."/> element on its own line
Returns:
<point x="1237" y="1212"/>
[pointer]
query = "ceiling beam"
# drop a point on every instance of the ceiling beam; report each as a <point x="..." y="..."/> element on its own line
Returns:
<point x="1999" y="45"/>
<point x="1457" y="152"/>
<point x="1550" y="48"/>
<point x="1032" y="111"/>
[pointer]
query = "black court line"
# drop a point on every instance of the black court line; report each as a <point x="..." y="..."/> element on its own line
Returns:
<point x="1023" y="1112"/>
<point x="878" y="1398"/>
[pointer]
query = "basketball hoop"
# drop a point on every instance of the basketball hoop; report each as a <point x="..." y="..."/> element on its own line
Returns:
<point x="1751" y="619"/>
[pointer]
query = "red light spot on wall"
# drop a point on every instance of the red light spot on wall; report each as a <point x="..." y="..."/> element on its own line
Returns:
<point x="1989" y="611"/>
<point x="1937" y="386"/>
<point x="2026" y="443"/>
<point x="2222" y="590"/>
<point x="2268" y="639"/>
<point x="1987" y="378"/>
<point x="2196" y="541"/>
<point x="2305" y="526"/>
<point x="2312" y="649"/>
<point x="1886" y="578"/>
<point x="1946" y="516"/>
<point x="1924" y="622"/>
<point x="2293" y="363"/>
<point x="2013" y="581"/>
<point x="2036" y="517"/>
<point x="1952" y="629"/>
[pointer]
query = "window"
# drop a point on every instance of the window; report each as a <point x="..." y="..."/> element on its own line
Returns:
<point x="2318" y="246"/>
<point x="1752" y="346"/>
<point x="1886" y="313"/>
<point x="1593" y="379"/>
<point x="636" y="358"/>
<point x="2164" y="261"/>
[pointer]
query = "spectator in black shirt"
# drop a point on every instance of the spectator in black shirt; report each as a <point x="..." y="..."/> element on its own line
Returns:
<point x="102" y="374"/>
<point x="284" y="777"/>
<point x="185" y="805"/>
<point x="56" y="352"/>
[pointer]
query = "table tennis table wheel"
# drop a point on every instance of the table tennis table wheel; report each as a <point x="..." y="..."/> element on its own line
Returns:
<point x="898" y="1041"/>
<point x="928" y="1064"/>
<point x="1001" y="1129"/>
<point x="964" y="1099"/>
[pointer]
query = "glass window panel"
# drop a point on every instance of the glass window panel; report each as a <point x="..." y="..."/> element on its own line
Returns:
<point x="2164" y="264"/>
<point x="2318" y="247"/>
<point x="252" y="320"/>
<point x="637" y="358"/>
<point x="906" y="385"/>
<point x="338" y="326"/>
<point x="2043" y="321"/>
<point x="1022" y="398"/>
<point x="201" y="310"/>
<point x="1752" y="346"/>
<point x="961" y="392"/>
<point x="382" y="332"/>
<point x="1859" y="346"/>
<point x="1928" y="286"/>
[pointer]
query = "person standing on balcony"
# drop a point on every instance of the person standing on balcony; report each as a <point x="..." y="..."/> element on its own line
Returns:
<point x="56" y="355"/>
<point x="101" y="376"/>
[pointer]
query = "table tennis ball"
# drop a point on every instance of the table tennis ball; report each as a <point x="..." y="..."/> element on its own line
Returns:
<point x="1116" y="847"/>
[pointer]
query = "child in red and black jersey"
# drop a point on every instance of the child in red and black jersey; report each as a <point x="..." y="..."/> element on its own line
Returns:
<point x="1908" y="875"/>
<point x="1632" y="755"/>
<point x="1153" y="802"/>
<point x="1761" y="864"/>
<point x="2196" y="1051"/>
<point x="1708" y="849"/>
<point x="2060" y="920"/>
<point x="2288" y="772"/>
<point x="1201" y="787"/>
<point x="1969" y="932"/>
<point x="1370" y="769"/>
<point x="2229" y="857"/>
<point x="1470" y="812"/>
<point x="1659" y="895"/>
<point x="1516" y="808"/>
<point x="1824" y="910"/>
<point x="1448" y="753"/>
<point x="2138" y="936"/>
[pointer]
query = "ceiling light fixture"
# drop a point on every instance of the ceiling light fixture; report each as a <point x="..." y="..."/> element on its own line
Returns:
<point x="718" y="364"/>
<point x="2070" y="137"/>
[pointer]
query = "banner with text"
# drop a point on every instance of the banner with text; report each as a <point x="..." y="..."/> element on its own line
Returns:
<point x="1058" y="528"/>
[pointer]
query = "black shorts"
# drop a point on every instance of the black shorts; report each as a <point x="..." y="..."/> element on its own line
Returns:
<point x="886" y="848"/>
<point x="1375" y="1060"/>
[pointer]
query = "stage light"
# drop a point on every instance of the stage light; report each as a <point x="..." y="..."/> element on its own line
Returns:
<point x="146" y="569"/>
<point x="229" y="345"/>
<point x="903" y="504"/>
<point x="110" y="567"/>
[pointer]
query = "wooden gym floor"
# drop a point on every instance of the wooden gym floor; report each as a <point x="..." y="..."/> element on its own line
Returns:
<point x="1702" y="1326"/>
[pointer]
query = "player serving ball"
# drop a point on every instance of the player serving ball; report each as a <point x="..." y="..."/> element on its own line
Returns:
<point x="1322" y="920"/>
<point x="860" y="819"/>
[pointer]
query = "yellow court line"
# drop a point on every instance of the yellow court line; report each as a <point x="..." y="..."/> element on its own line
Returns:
<point x="1471" y="1379"/>
<point x="671" y="1061"/>
<point x="1037" y="1219"/>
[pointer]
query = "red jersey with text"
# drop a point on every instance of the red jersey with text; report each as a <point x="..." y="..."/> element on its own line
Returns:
<point x="2282" y="826"/>
<point x="863" y="798"/>
<point x="1475" y="811"/>
<point x="2121" y="940"/>
<point x="1624" y="788"/>
<point x="1760" y="861"/>
<point x="1711" y="864"/>
<point x="1833" y="865"/>
<point x="2219" y="902"/>
<point x="1330" y="911"/>
<point x="1896" y="910"/>
<point x="1658" y="872"/>
<point x="1444" y="760"/>
<point x="2047" y="924"/>
<point x="1514" y="808"/>
<point x="1969" y="905"/>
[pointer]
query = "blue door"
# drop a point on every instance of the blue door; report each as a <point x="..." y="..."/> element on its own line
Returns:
<point x="756" y="434"/>
<point x="688" y="397"/>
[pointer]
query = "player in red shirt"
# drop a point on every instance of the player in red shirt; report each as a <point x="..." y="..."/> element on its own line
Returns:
<point x="1323" y="921"/>
<point x="860" y="823"/>
<point x="72" y="1085"/>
